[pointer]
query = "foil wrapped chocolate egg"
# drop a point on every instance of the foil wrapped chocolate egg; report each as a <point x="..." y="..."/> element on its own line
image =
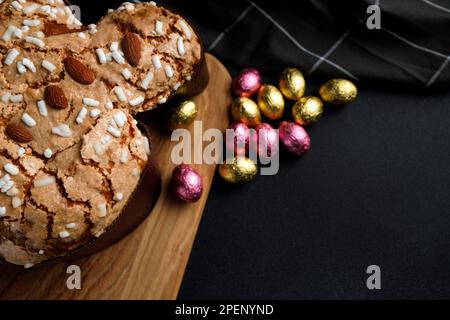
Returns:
<point x="182" y="115"/>
<point x="265" y="140"/>
<point x="294" y="138"/>
<point x="307" y="110"/>
<point x="338" y="91"/>
<point x="270" y="102"/>
<point x="187" y="183"/>
<point x="292" y="83"/>
<point x="246" y="111"/>
<point x="237" y="138"/>
<point x="239" y="170"/>
<point x="247" y="83"/>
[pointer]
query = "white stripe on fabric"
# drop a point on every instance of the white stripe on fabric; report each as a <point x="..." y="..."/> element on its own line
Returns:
<point x="438" y="72"/>
<point x="231" y="26"/>
<point x="297" y="44"/>
<point x="330" y="51"/>
<point x="436" y="6"/>
<point x="412" y="44"/>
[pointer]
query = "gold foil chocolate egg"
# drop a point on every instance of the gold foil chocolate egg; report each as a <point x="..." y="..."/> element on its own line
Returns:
<point x="270" y="102"/>
<point x="240" y="170"/>
<point x="292" y="83"/>
<point x="307" y="110"/>
<point x="338" y="91"/>
<point x="246" y="111"/>
<point x="182" y="114"/>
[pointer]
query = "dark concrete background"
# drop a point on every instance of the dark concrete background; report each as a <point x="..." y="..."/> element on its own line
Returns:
<point x="374" y="189"/>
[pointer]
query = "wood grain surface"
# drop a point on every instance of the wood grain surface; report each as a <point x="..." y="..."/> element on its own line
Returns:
<point x="150" y="262"/>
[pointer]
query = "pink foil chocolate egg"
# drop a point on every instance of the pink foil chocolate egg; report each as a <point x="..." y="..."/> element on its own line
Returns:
<point x="247" y="83"/>
<point x="294" y="138"/>
<point x="265" y="140"/>
<point x="187" y="183"/>
<point x="237" y="138"/>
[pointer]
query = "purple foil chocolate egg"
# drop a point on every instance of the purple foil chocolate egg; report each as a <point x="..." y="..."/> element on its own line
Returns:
<point x="238" y="139"/>
<point x="187" y="183"/>
<point x="247" y="83"/>
<point x="265" y="140"/>
<point x="294" y="138"/>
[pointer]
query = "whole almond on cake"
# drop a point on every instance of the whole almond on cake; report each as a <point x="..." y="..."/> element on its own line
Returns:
<point x="71" y="153"/>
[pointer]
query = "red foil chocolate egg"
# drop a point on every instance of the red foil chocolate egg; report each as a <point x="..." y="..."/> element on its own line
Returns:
<point x="265" y="140"/>
<point x="294" y="138"/>
<point x="238" y="140"/>
<point x="187" y="183"/>
<point x="247" y="83"/>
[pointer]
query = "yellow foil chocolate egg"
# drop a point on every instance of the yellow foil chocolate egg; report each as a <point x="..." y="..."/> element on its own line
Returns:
<point x="183" y="114"/>
<point x="307" y="110"/>
<point x="338" y="91"/>
<point x="292" y="83"/>
<point x="240" y="170"/>
<point x="246" y="111"/>
<point x="270" y="102"/>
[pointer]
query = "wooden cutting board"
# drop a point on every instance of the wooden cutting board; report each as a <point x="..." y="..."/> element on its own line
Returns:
<point x="150" y="262"/>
